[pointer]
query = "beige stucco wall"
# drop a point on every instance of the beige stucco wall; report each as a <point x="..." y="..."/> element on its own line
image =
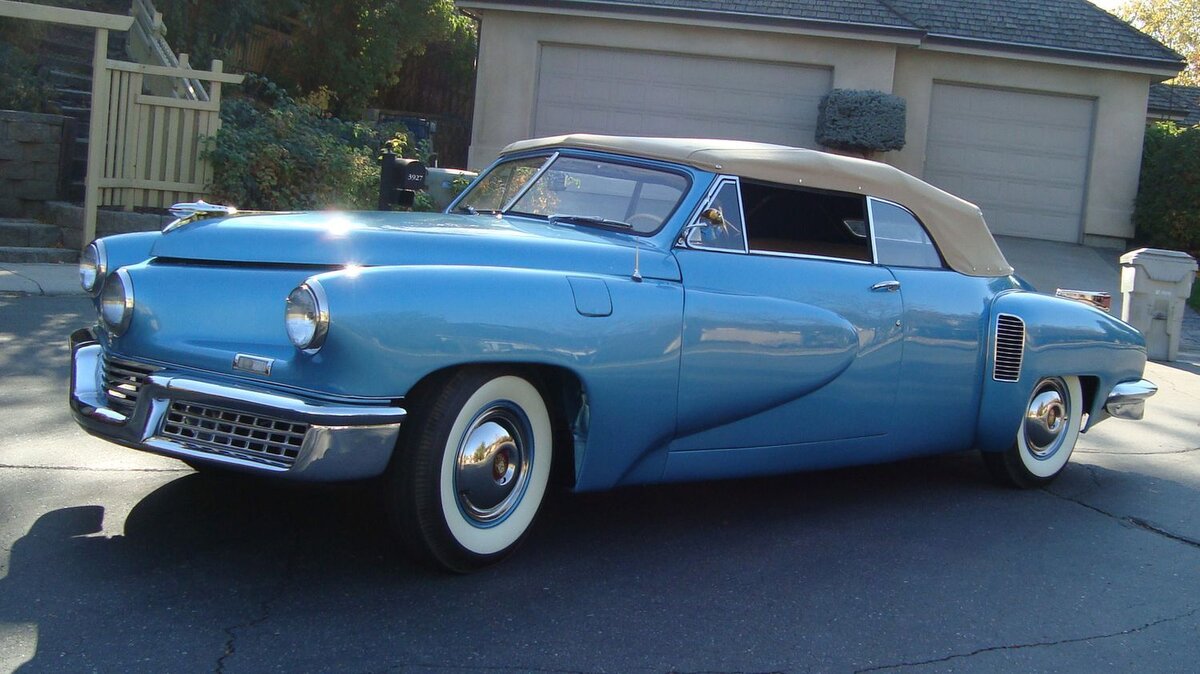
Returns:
<point x="1117" y="138"/>
<point x="510" y="43"/>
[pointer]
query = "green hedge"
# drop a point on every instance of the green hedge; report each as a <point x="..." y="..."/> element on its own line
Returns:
<point x="1167" y="212"/>
<point x="276" y="153"/>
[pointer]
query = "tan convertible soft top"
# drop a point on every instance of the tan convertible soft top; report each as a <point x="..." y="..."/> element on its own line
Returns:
<point x="957" y="226"/>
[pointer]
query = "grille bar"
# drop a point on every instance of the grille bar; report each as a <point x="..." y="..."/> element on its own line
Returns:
<point x="1010" y="348"/>
<point x="123" y="381"/>
<point x="232" y="433"/>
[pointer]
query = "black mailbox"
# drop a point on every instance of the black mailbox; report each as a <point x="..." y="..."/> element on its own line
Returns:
<point x="399" y="180"/>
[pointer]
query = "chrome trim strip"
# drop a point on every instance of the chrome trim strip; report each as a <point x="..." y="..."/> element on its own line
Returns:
<point x="806" y="256"/>
<point x="290" y="406"/>
<point x="1128" y="399"/>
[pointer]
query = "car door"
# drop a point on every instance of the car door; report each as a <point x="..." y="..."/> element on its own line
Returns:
<point x="792" y="335"/>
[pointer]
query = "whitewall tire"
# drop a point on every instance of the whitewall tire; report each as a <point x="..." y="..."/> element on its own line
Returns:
<point x="1049" y="430"/>
<point x="473" y="469"/>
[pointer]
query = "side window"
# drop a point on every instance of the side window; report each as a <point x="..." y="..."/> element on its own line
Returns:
<point x="900" y="240"/>
<point x="781" y="219"/>
<point x="726" y="233"/>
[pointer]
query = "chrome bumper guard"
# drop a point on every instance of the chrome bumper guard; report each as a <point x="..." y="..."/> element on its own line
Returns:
<point x="240" y="428"/>
<point x="1128" y="399"/>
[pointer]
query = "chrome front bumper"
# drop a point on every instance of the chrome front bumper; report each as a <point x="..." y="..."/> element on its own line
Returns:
<point x="1128" y="400"/>
<point x="244" y="429"/>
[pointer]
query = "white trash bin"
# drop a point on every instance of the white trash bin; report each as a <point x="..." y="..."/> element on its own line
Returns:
<point x="1155" y="285"/>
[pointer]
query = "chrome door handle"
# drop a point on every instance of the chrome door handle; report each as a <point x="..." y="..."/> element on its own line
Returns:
<point x="886" y="287"/>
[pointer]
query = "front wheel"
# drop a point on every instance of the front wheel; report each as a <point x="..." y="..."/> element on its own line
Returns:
<point x="472" y="471"/>
<point x="1046" y="438"/>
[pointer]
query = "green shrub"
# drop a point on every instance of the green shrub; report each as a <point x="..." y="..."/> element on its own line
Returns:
<point x="1167" y="212"/>
<point x="276" y="153"/>
<point x="862" y="122"/>
<point x="21" y="86"/>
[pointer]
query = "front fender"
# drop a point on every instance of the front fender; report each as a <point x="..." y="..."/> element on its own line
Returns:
<point x="393" y="326"/>
<point x="1062" y="338"/>
<point x="122" y="250"/>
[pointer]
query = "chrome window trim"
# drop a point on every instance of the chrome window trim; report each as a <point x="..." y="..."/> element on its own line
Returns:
<point x="529" y="183"/>
<point x="807" y="256"/>
<point x="871" y="225"/>
<point x="709" y="195"/>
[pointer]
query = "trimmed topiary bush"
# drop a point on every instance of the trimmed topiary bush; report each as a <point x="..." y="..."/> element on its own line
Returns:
<point x="1167" y="211"/>
<point x="861" y="122"/>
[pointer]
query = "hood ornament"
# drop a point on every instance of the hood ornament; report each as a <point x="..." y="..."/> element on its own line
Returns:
<point x="196" y="210"/>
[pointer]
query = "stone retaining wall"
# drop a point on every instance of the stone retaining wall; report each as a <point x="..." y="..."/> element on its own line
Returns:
<point x="35" y="152"/>
<point x="69" y="218"/>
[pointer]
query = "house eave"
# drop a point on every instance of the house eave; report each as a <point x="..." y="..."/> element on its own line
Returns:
<point x="705" y="17"/>
<point x="1165" y="68"/>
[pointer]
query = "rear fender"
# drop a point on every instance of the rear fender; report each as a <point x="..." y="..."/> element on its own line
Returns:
<point x="1062" y="338"/>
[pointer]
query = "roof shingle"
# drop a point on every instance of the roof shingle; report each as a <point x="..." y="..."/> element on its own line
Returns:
<point x="1072" y="26"/>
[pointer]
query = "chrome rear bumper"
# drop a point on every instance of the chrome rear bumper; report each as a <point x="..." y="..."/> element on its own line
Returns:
<point x="240" y="428"/>
<point x="1128" y="400"/>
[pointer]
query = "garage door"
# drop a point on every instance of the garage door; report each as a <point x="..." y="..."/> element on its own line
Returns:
<point x="593" y="90"/>
<point x="1022" y="157"/>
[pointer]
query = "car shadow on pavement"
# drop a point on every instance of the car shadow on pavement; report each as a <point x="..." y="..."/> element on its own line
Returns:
<point x="214" y="570"/>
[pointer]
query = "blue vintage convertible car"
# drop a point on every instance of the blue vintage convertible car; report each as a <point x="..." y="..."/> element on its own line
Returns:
<point x="599" y="311"/>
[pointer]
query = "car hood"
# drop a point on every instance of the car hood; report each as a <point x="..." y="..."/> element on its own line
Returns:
<point x="378" y="239"/>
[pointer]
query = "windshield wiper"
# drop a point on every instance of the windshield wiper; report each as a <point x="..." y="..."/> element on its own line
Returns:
<point x="588" y="220"/>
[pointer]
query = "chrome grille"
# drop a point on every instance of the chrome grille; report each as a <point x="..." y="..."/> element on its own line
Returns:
<point x="1010" y="348"/>
<point x="231" y="433"/>
<point x="123" y="381"/>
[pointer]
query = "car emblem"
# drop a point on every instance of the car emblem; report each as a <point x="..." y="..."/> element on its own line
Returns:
<point x="253" y="364"/>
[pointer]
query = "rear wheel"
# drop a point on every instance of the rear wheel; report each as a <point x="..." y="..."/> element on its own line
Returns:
<point x="1046" y="438"/>
<point x="469" y="479"/>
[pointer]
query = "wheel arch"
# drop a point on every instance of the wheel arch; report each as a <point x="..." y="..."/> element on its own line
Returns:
<point x="1061" y="338"/>
<point x="564" y="392"/>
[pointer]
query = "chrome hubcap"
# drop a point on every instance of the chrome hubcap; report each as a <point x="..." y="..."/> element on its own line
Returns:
<point x="1047" y="418"/>
<point x="492" y="464"/>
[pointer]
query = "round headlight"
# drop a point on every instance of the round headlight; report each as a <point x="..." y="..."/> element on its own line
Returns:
<point x="116" y="303"/>
<point x="92" y="266"/>
<point x="307" y="316"/>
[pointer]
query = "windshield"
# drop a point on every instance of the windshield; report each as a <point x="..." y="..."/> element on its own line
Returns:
<point x="578" y="191"/>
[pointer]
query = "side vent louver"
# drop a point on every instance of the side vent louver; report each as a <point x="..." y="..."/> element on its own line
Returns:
<point x="1010" y="347"/>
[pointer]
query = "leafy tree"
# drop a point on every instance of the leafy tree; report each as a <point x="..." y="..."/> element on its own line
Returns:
<point x="1175" y="23"/>
<point x="1167" y="211"/>
<point x="343" y="51"/>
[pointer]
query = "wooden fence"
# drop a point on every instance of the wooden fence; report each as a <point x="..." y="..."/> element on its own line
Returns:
<point x="150" y="154"/>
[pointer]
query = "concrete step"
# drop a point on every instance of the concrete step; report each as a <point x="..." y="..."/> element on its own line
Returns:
<point x="28" y="233"/>
<point x="20" y="254"/>
<point x="70" y="78"/>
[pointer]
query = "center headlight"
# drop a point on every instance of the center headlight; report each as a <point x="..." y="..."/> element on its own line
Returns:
<point x="116" y="303"/>
<point x="307" y="316"/>
<point x="93" y="264"/>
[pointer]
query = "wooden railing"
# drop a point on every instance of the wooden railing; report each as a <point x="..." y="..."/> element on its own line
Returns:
<point x="148" y="44"/>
